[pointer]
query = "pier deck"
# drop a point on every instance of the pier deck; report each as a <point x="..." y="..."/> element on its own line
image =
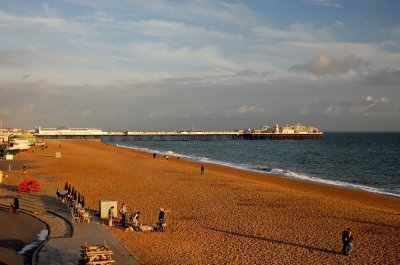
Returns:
<point x="188" y="137"/>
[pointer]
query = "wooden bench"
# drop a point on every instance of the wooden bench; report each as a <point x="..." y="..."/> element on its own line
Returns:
<point x="101" y="262"/>
<point x="96" y="255"/>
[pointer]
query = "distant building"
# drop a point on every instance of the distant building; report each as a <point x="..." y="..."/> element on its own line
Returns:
<point x="288" y="129"/>
<point x="68" y="131"/>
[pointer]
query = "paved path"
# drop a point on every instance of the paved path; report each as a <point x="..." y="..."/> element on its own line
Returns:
<point x="13" y="239"/>
<point x="63" y="245"/>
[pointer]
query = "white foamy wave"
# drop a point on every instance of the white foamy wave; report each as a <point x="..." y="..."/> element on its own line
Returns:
<point x="305" y="177"/>
<point x="277" y="171"/>
<point x="151" y="151"/>
<point x="40" y="237"/>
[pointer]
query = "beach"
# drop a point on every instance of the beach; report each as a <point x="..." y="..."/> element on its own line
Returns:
<point x="226" y="216"/>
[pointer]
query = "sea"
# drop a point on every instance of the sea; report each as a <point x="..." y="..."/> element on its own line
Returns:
<point x="364" y="161"/>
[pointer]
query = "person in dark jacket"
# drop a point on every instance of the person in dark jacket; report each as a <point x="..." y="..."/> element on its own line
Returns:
<point x="347" y="240"/>
<point x="15" y="206"/>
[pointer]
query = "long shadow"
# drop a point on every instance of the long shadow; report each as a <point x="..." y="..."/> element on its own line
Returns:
<point x="51" y="255"/>
<point x="276" y="241"/>
<point x="15" y="165"/>
<point x="12" y="243"/>
<point x="357" y="220"/>
<point x="9" y="187"/>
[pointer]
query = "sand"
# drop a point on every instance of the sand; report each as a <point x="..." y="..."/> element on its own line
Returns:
<point x="226" y="216"/>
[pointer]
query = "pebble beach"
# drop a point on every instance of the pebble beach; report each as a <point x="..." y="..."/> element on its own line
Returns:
<point x="226" y="216"/>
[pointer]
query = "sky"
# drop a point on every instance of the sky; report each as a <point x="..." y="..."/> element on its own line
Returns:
<point x="213" y="65"/>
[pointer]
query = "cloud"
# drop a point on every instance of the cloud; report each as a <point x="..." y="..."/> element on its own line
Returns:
<point x="50" y="12"/>
<point x="53" y="24"/>
<point x="206" y="56"/>
<point x="252" y="73"/>
<point x="327" y="65"/>
<point x="385" y="77"/>
<point x="169" y="29"/>
<point x="86" y="113"/>
<point x="28" y="108"/>
<point x="242" y="110"/>
<point x="12" y="57"/>
<point x="333" y="110"/>
<point x="327" y="3"/>
<point x="380" y="107"/>
<point x="297" y="31"/>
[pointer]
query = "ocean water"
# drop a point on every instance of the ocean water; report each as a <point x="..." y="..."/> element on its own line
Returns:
<point x="367" y="161"/>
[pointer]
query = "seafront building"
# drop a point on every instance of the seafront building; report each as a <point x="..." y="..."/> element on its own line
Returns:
<point x="69" y="131"/>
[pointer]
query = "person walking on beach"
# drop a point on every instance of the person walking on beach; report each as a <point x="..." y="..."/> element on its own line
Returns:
<point x="110" y="216"/>
<point x="202" y="170"/>
<point x="123" y="211"/>
<point x="154" y="155"/>
<point x="347" y="240"/>
<point x="24" y="168"/>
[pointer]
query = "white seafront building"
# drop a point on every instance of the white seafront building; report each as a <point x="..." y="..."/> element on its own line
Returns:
<point x="68" y="131"/>
<point x="295" y="129"/>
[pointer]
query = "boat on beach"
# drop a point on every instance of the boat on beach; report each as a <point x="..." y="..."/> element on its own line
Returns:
<point x="14" y="146"/>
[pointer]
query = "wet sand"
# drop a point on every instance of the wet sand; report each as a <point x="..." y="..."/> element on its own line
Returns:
<point x="227" y="216"/>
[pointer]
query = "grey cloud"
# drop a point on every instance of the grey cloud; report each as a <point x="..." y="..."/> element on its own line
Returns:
<point x="243" y="110"/>
<point x="326" y="3"/>
<point x="202" y="102"/>
<point x="385" y="77"/>
<point x="338" y="109"/>
<point x="324" y="65"/>
<point x="8" y="57"/>
<point x="252" y="73"/>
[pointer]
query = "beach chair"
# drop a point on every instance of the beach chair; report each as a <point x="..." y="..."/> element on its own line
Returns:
<point x="75" y="215"/>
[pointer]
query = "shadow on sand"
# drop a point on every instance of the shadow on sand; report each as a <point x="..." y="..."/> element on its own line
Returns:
<point x="361" y="221"/>
<point x="276" y="241"/>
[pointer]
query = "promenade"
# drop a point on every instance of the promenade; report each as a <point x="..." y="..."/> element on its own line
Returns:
<point x="65" y="236"/>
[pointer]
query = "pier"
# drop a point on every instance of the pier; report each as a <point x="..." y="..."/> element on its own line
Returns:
<point x="174" y="136"/>
<point x="297" y="132"/>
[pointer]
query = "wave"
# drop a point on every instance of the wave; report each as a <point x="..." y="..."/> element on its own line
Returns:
<point x="273" y="171"/>
<point x="41" y="236"/>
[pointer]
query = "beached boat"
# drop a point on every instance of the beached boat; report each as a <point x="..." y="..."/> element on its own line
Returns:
<point x="31" y="138"/>
<point x="14" y="146"/>
<point x="18" y="144"/>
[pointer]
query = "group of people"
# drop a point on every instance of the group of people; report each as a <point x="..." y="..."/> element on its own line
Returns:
<point x="133" y="219"/>
<point x="74" y="201"/>
<point x="71" y="196"/>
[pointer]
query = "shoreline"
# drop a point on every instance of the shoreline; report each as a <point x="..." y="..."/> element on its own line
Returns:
<point x="226" y="216"/>
<point x="306" y="179"/>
